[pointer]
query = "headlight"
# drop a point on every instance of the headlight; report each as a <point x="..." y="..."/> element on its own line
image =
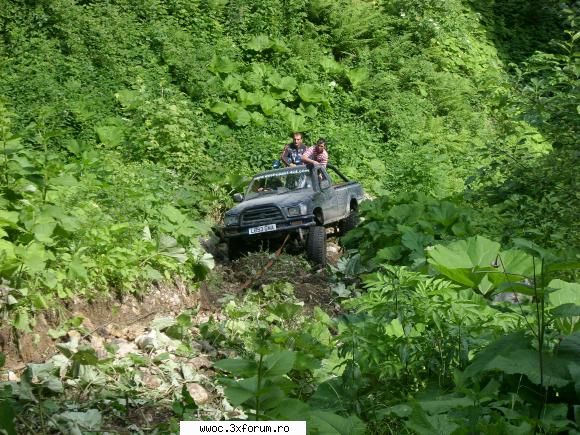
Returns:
<point x="231" y="219"/>
<point x="297" y="210"/>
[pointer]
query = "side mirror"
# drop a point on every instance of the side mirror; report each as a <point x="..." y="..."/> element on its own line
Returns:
<point x="238" y="197"/>
<point x="324" y="184"/>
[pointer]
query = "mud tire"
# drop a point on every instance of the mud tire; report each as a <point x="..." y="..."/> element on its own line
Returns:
<point x="316" y="245"/>
<point x="349" y="222"/>
<point x="236" y="248"/>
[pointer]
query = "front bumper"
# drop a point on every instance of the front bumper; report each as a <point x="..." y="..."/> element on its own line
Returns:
<point x="291" y="225"/>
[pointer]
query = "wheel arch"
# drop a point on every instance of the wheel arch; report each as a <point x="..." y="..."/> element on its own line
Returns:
<point x="318" y="216"/>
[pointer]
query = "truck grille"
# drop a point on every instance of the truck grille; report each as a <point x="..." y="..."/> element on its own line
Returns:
<point x="269" y="214"/>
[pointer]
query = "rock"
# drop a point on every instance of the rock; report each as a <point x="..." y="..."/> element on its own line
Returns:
<point x="74" y="335"/>
<point x="333" y="249"/>
<point x="98" y="344"/>
<point x="151" y="381"/>
<point x="114" y="331"/>
<point x="9" y="376"/>
<point x="200" y="362"/>
<point x="198" y="393"/>
<point x="125" y="348"/>
<point x="132" y="332"/>
<point x="147" y="342"/>
<point x="204" y="346"/>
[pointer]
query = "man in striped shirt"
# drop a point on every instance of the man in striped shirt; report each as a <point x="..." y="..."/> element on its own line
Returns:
<point x="316" y="155"/>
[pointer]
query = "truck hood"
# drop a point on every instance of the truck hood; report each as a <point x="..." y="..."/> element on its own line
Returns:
<point x="285" y="199"/>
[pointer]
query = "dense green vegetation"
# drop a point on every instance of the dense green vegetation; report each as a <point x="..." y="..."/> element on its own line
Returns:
<point x="126" y="125"/>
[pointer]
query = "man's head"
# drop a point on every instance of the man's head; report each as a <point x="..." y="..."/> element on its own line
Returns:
<point x="297" y="138"/>
<point x="320" y="145"/>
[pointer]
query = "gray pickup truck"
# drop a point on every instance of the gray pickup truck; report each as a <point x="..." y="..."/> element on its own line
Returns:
<point x="300" y="201"/>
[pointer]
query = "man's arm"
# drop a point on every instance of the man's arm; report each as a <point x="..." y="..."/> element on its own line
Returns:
<point x="284" y="156"/>
<point x="306" y="157"/>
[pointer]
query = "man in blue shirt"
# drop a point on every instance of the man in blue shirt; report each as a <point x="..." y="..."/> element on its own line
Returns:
<point x="292" y="153"/>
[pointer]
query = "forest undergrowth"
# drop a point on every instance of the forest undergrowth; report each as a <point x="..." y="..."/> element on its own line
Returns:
<point x="125" y="127"/>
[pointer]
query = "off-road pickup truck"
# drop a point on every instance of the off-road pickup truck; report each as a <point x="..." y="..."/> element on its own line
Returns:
<point x="300" y="201"/>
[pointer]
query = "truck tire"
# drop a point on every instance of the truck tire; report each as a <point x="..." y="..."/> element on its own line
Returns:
<point x="235" y="248"/>
<point x="349" y="222"/>
<point x="316" y="245"/>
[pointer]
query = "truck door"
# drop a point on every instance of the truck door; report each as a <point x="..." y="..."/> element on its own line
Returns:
<point x="329" y="199"/>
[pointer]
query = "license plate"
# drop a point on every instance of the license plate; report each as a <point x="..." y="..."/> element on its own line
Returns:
<point x="262" y="229"/>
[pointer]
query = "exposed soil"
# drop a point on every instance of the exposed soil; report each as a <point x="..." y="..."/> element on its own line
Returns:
<point x="109" y="318"/>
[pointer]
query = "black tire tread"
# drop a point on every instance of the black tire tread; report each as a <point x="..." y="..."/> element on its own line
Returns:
<point x="316" y="245"/>
<point x="235" y="249"/>
<point x="349" y="222"/>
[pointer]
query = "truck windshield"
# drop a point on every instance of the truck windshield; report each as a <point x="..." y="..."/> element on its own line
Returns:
<point x="279" y="182"/>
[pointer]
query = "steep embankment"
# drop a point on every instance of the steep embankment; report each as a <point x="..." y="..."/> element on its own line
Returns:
<point x="125" y="127"/>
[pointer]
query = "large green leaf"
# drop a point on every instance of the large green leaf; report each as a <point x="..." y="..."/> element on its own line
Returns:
<point x="259" y="43"/>
<point x="445" y="404"/>
<point x="6" y="252"/>
<point x="389" y="253"/>
<point x="238" y="367"/>
<point x="219" y="107"/>
<point x="222" y="64"/>
<point x="172" y="213"/>
<point x="79" y="422"/>
<point x="423" y="424"/>
<point x="129" y="99"/>
<point x="565" y="293"/>
<point x="232" y="83"/>
<point x="569" y="347"/>
<point x="295" y="122"/>
<point x="566" y="310"/>
<point x="169" y="247"/>
<point x="43" y="231"/>
<point x="331" y="396"/>
<point x="248" y="98"/>
<point x="330" y="65"/>
<point x="465" y="261"/>
<point x="515" y="265"/>
<point x="22" y="321"/>
<point x="66" y="180"/>
<point x="279" y="363"/>
<point x="8" y="218"/>
<point x="327" y="423"/>
<point x="33" y="256"/>
<point x="110" y="134"/>
<point x="465" y="254"/>
<point x="510" y="357"/>
<point x="394" y="329"/>
<point x="311" y="93"/>
<point x="287" y="83"/>
<point x="416" y="241"/>
<point x="238" y="392"/>
<point x="268" y="104"/>
<point x="239" y="116"/>
<point x="238" y="395"/>
<point x="357" y="76"/>
<point x="503" y="345"/>
<point x="445" y="213"/>
<point x="77" y="269"/>
<point x="289" y="410"/>
<point x="7" y="417"/>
